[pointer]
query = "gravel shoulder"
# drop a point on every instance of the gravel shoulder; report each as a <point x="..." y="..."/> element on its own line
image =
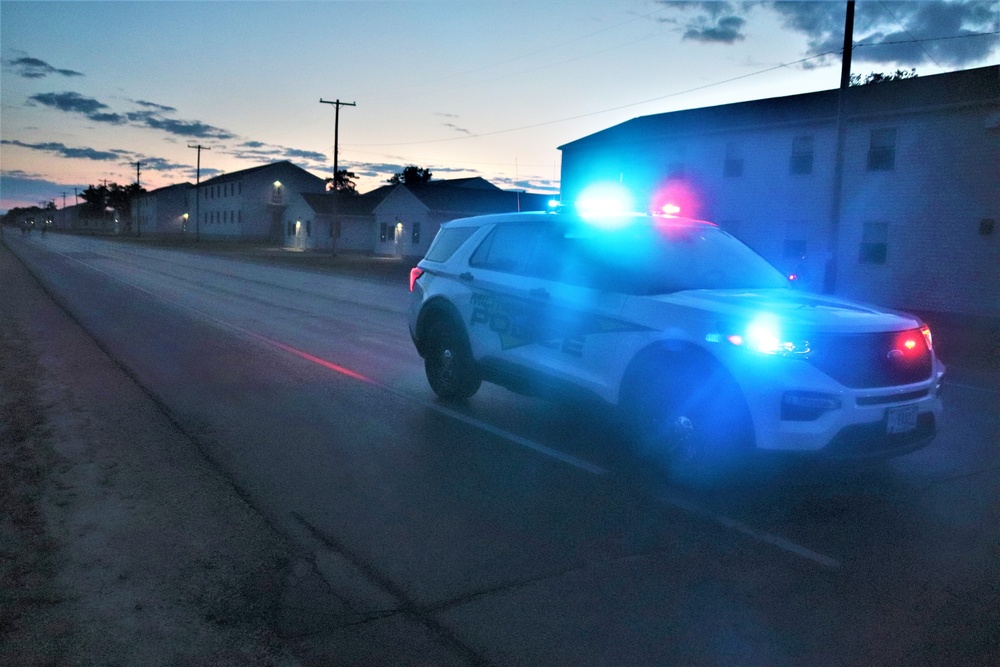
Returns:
<point x="119" y="543"/>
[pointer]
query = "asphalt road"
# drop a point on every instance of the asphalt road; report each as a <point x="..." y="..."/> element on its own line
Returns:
<point x="514" y="531"/>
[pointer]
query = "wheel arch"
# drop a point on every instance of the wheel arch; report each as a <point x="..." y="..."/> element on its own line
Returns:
<point x="435" y="308"/>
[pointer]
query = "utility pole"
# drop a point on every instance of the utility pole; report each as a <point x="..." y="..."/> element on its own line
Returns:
<point x="336" y="131"/>
<point x="830" y="274"/>
<point x="197" y="193"/>
<point x="138" y="218"/>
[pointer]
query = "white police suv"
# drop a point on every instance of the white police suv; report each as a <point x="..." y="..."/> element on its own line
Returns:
<point x="703" y="345"/>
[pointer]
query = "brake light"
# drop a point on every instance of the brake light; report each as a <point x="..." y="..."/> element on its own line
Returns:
<point x="415" y="273"/>
<point x="908" y="342"/>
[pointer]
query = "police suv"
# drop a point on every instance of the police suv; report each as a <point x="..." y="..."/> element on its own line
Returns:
<point x="701" y="343"/>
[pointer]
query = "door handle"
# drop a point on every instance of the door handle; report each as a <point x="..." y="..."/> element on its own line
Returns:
<point x="467" y="276"/>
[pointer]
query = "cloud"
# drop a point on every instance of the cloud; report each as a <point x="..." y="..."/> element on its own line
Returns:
<point x="156" y="107"/>
<point x="713" y="22"/>
<point x="69" y="152"/>
<point x="725" y="30"/>
<point x="69" y="102"/>
<point x="151" y="116"/>
<point x="461" y="130"/>
<point x="890" y="33"/>
<point x="33" y="68"/>
<point x="21" y="189"/>
<point x="904" y="34"/>
<point x="112" y="155"/>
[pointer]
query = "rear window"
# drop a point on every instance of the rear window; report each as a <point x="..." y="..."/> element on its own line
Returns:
<point x="447" y="241"/>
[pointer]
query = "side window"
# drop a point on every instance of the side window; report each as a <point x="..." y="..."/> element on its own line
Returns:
<point x="882" y="149"/>
<point x="447" y="241"/>
<point x="733" y="167"/>
<point x="506" y="249"/>
<point x="874" y="243"/>
<point x="801" y="161"/>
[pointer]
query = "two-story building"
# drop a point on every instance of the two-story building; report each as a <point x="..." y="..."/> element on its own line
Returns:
<point x="890" y="196"/>
<point x="250" y="204"/>
<point x="164" y="211"/>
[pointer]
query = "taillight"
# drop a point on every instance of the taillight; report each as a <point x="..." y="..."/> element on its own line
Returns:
<point x="926" y="331"/>
<point x="415" y="273"/>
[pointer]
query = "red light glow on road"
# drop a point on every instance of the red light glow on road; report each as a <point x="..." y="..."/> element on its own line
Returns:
<point x="316" y="360"/>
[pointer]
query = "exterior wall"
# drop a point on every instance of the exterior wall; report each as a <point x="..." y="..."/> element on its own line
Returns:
<point x="357" y="234"/>
<point x="251" y="206"/>
<point x="943" y="189"/>
<point x="161" y="212"/>
<point x="395" y="219"/>
<point x="945" y="182"/>
<point x="302" y="228"/>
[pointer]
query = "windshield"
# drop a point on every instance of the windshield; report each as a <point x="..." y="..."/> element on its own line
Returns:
<point x="647" y="259"/>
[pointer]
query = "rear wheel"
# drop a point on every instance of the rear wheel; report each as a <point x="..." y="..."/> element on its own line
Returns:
<point x="451" y="370"/>
<point x="689" y="419"/>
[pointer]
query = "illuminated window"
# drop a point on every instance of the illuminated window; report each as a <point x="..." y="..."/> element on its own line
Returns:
<point x="733" y="167"/>
<point x="874" y="243"/>
<point x="801" y="161"/>
<point x="882" y="149"/>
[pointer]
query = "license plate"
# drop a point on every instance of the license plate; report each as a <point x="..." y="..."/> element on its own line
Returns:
<point x="901" y="420"/>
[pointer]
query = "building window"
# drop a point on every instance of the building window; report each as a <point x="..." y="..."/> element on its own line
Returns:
<point x="416" y="233"/>
<point x="874" y="243"/>
<point x="801" y="161"/>
<point x="733" y="167"/>
<point x="882" y="149"/>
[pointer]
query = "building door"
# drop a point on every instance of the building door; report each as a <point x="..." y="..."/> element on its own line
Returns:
<point x="397" y="243"/>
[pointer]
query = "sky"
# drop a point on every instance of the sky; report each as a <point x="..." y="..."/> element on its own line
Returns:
<point x="463" y="88"/>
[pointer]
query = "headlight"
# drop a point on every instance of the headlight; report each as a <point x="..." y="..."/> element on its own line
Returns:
<point x="764" y="336"/>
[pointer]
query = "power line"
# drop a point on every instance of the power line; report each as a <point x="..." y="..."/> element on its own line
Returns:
<point x="663" y="97"/>
<point x="609" y="110"/>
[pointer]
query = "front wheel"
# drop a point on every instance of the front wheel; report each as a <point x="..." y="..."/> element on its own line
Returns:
<point x="690" y="421"/>
<point x="451" y="370"/>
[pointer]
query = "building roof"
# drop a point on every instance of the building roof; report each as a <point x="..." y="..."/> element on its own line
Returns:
<point x="975" y="86"/>
<point x="331" y="203"/>
<point x="473" y="198"/>
<point x="164" y="189"/>
<point x="460" y="195"/>
<point x="243" y="173"/>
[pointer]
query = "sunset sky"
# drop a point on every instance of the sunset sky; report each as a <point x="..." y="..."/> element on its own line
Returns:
<point x="462" y="87"/>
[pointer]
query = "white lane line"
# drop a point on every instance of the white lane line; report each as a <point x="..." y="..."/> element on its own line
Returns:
<point x="749" y="531"/>
<point x="513" y="437"/>
<point x="689" y="507"/>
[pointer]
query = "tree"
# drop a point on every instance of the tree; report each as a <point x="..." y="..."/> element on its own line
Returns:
<point x="879" y="77"/>
<point x="343" y="182"/>
<point x="99" y="198"/>
<point x="411" y="175"/>
<point x="95" y="201"/>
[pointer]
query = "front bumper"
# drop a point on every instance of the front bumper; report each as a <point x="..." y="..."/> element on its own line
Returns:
<point x="863" y="425"/>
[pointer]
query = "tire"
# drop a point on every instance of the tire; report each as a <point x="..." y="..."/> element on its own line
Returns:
<point x="689" y="419"/>
<point x="451" y="370"/>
